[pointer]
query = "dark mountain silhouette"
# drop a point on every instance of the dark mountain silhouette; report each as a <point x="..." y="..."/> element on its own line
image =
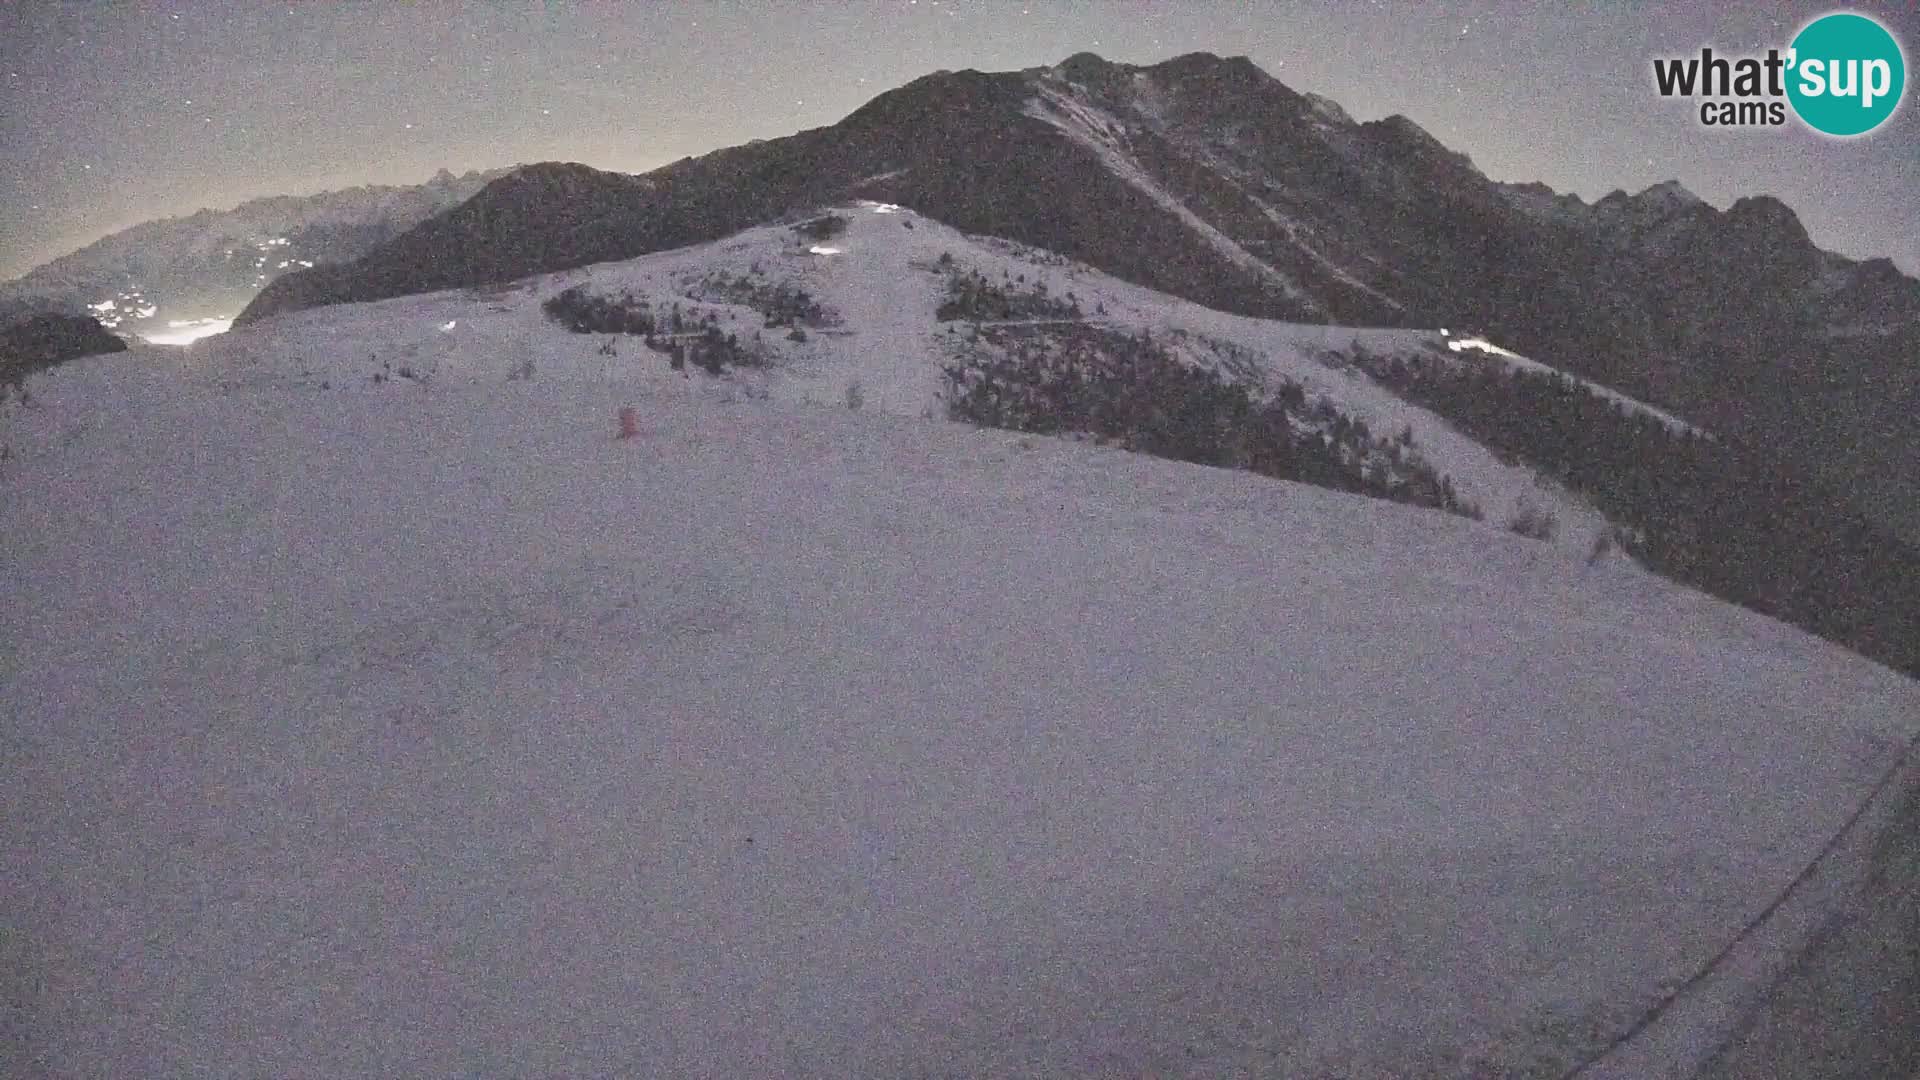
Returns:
<point x="38" y="342"/>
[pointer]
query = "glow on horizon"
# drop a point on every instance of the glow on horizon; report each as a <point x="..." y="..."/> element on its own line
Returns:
<point x="186" y="332"/>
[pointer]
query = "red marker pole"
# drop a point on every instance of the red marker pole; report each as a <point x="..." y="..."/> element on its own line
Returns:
<point x="629" y="422"/>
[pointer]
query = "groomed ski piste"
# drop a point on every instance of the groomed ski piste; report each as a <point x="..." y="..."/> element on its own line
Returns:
<point x="427" y="728"/>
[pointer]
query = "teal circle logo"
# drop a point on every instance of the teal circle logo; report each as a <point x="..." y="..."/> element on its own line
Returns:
<point x="1846" y="74"/>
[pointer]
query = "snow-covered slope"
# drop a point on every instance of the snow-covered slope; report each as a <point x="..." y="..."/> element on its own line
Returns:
<point x="429" y="729"/>
<point x="880" y="282"/>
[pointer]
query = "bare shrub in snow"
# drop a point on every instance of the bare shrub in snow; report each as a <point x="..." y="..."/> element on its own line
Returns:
<point x="1603" y="544"/>
<point x="822" y="228"/>
<point x="1533" y="522"/>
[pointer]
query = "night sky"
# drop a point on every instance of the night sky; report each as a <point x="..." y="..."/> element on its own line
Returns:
<point x="117" y="113"/>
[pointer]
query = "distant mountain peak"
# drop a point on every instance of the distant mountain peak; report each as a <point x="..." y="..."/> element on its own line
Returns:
<point x="1206" y="61"/>
<point x="546" y="173"/>
<point x="1329" y="109"/>
<point x="1764" y="208"/>
<point x="1093" y="70"/>
<point x="1668" y="193"/>
<point x="1766" y="216"/>
<point x="1658" y="203"/>
<point x="1400" y="124"/>
<point x="1400" y="130"/>
<point x="1084" y="66"/>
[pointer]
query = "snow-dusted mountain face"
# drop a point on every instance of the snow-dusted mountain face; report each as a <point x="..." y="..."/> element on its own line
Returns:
<point x="380" y="700"/>
<point x="1205" y="178"/>
<point x="172" y="278"/>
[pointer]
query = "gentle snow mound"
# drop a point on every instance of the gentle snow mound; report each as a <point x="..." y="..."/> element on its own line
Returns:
<point x="430" y="729"/>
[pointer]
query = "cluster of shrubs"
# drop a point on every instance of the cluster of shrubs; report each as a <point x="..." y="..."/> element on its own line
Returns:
<point x="682" y="337"/>
<point x="584" y="313"/>
<point x="388" y="373"/>
<point x="707" y="349"/>
<point x="782" y="304"/>
<point x="1133" y="392"/>
<point x="825" y="227"/>
<point x="1731" y="517"/>
<point x="1236" y="359"/>
<point x="971" y="296"/>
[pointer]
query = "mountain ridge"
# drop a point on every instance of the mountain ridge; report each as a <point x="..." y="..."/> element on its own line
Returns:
<point x="1193" y="125"/>
<point x="210" y="263"/>
<point x="1205" y="178"/>
<point x="1208" y="179"/>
